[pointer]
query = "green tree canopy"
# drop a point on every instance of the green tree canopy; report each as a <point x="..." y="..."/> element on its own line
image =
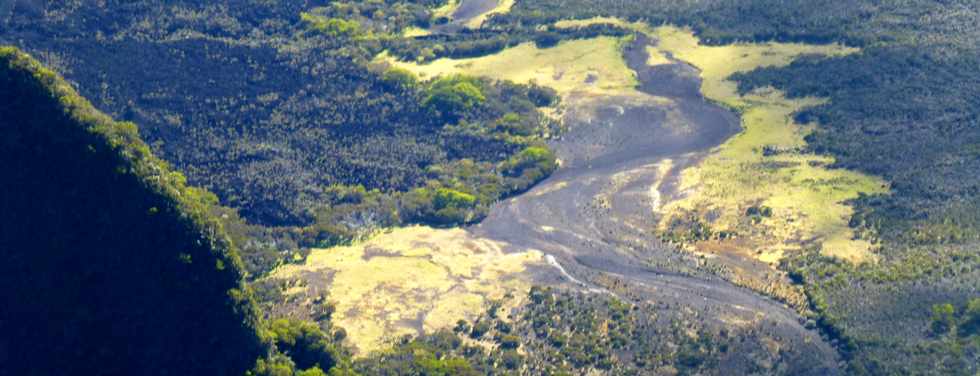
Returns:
<point x="452" y="95"/>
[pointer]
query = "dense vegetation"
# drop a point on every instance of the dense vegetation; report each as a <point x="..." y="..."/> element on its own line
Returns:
<point x="268" y="106"/>
<point x="110" y="264"/>
<point x="303" y="348"/>
<point x="277" y="109"/>
<point x="560" y="332"/>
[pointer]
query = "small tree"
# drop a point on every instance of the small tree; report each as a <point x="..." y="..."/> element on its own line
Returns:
<point x="462" y="326"/>
<point x="450" y="97"/>
<point x="479" y="329"/>
<point x="305" y="343"/>
<point x="400" y="78"/>
<point x="512" y="360"/>
<point x="971" y="318"/>
<point x="510" y="342"/>
<point x="315" y="371"/>
<point x="943" y="319"/>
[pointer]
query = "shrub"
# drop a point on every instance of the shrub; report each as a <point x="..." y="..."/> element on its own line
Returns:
<point x="943" y="319"/>
<point x="479" y="330"/>
<point x="971" y="318"/>
<point x="532" y="163"/>
<point x="516" y="125"/>
<point x="547" y="39"/>
<point x="512" y="360"/>
<point x="305" y="343"/>
<point x="451" y="96"/>
<point x="510" y="341"/>
<point x="448" y="198"/>
<point x="331" y="26"/>
<point x="400" y="77"/>
<point x="542" y="96"/>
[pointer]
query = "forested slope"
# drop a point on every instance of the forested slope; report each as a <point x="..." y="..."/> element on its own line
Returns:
<point x="273" y="105"/>
<point x="109" y="262"/>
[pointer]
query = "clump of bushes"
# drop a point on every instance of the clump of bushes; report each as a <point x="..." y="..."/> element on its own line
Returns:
<point x="302" y="348"/>
<point x="443" y="206"/>
<point x="331" y="26"/>
<point x="947" y="319"/>
<point x="531" y="164"/>
<point x="451" y="97"/>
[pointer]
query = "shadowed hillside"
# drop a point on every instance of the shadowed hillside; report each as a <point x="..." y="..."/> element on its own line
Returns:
<point x="108" y="261"/>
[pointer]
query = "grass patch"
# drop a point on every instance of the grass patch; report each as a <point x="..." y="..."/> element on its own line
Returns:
<point x="656" y="57"/>
<point x="718" y="63"/>
<point x="446" y="10"/>
<point x="409" y="279"/>
<point x="765" y="165"/>
<point x="587" y="66"/>
<point x="415" y="32"/>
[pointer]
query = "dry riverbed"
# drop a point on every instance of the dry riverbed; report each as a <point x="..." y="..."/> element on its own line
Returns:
<point x="642" y="146"/>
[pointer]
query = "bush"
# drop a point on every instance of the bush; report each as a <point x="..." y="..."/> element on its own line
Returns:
<point x="461" y="326"/>
<point x="451" y="96"/>
<point x="512" y="360"/>
<point x="277" y="365"/>
<point x="305" y="343"/>
<point x="444" y="367"/>
<point x="942" y="318"/>
<point x="479" y="330"/>
<point x="510" y="342"/>
<point x="448" y="198"/>
<point x="512" y="123"/>
<point x="439" y="206"/>
<point x="400" y="78"/>
<point x="315" y="371"/>
<point x="542" y="96"/>
<point x="331" y="26"/>
<point x="531" y="164"/>
<point x="971" y="318"/>
<point x="547" y="39"/>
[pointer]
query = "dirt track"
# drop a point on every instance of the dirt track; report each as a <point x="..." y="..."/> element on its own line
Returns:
<point x="595" y="216"/>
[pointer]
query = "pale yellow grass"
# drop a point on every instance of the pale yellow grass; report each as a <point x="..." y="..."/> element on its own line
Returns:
<point x="656" y="57"/>
<point x="586" y="66"/>
<point x="446" y="10"/>
<point x="718" y="63"/>
<point x="808" y="199"/>
<point x="414" y="31"/>
<point x="383" y="287"/>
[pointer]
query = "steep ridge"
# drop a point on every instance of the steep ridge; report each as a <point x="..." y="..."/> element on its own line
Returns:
<point x="109" y="263"/>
